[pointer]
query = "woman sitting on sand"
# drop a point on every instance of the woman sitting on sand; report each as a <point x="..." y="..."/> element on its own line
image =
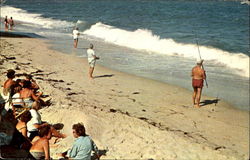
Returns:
<point x="40" y="148"/>
<point x="22" y="123"/>
<point x="28" y="95"/>
<point x="36" y="123"/>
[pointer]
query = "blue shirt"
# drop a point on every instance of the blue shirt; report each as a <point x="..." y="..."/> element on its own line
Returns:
<point x="82" y="148"/>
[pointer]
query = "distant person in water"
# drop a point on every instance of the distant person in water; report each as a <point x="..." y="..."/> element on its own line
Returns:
<point x="11" y="23"/>
<point x="75" y="36"/>
<point x="198" y="76"/>
<point x="6" y="23"/>
<point x="91" y="59"/>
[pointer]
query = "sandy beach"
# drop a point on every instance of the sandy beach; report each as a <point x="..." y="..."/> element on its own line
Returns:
<point x="128" y="117"/>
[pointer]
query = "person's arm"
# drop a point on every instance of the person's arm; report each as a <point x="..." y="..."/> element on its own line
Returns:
<point x="46" y="149"/>
<point x="36" y="98"/>
<point x="24" y="132"/>
<point x="34" y="84"/>
<point x="192" y="73"/>
<point x="38" y="126"/>
<point x="72" y="152"/>
<point x="96" y="57"/>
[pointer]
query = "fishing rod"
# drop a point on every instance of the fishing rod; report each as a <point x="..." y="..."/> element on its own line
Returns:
<point x="200" y="58"/>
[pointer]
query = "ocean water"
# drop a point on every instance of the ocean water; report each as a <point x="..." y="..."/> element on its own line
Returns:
<point x="156" y="39"/>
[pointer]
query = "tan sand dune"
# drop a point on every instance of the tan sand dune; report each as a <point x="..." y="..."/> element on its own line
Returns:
<point x="129" y="116"/>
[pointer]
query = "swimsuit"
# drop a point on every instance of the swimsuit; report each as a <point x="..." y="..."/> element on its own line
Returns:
<point x="37" y="155"/>
<point x="28" y="102"/>
<point x="197" y="83"/>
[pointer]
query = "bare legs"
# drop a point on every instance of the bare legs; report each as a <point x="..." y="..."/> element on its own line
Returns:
<point x="197" y="96"/>
<point x="75" y="43"/>
<point x="91" y="70"/>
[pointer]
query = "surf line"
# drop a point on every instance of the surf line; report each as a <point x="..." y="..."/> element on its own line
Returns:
<point x="200" y="58"/>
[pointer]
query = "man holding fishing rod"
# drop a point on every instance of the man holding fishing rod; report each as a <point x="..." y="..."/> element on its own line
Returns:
<point x="198" y="76"/>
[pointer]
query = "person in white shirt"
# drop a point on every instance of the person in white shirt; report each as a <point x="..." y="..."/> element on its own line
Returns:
<point x="91" y="59"/>
<point x="75" y="36"/>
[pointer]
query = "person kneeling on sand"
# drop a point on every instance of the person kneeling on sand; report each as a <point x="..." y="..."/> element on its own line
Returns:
<point x="82" y="146"/>
<point x="35" y="124"/>
<point x="40" y="148"/>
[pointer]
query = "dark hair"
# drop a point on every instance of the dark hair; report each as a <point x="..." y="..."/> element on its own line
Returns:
<point x="28" y="76"/>
<point x="15" y="88"/>
<point x="80" y="129"/>
<point x="44" y="131"/>
<point x="26" y="84"/>
<point x="26" y="117"/>
<point x="18" y="80"/>
<point x="11" y="73"/>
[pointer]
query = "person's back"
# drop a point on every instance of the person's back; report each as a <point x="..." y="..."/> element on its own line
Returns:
<point x="40" y="148"/>
<point x="11" y="22"/>
<point x="26" y="93"/>
<point x="84" y="145"/>
<point x="198" y="73"/>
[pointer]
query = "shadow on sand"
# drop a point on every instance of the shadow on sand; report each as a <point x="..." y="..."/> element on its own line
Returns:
<point x="103" y="76"/>
<point x="207" y="102"/>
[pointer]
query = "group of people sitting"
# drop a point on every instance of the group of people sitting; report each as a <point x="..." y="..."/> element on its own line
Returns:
<point x="36" y="134"/>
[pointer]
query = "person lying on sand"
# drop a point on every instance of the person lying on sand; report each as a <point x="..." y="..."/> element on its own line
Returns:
<point x="82" y="146"/>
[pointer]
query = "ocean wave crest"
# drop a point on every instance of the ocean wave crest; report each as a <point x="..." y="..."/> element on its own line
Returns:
<point x="32" y="18"/>
<point x="143" y="39"/>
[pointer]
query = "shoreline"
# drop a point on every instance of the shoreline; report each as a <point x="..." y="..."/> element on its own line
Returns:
<point x="154" y="112"/>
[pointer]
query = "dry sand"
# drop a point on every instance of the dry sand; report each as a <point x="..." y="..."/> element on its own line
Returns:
<point x="128" y="116"/>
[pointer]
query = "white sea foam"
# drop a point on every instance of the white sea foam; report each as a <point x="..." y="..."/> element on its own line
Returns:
<point x="143" y="39"/>
<point x="32" y="18"/>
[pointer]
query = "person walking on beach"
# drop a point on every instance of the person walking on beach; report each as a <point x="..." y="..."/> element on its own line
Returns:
<point x="198" y="75"/>
<point x="75" y="36"/>
<point x="11" y="23"/>
<point x="6" y="23"/>
<point x="91" y="59"/>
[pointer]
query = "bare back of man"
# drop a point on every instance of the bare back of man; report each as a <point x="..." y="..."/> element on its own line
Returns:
<point x="198" y="75"/>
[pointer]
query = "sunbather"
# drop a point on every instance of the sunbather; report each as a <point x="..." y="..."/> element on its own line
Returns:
<point x="40" y="148"/>
<point x="28" y="95"/>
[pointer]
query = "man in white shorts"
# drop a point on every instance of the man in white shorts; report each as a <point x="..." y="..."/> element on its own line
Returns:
<point x="91" y="59"/>
<point x="75" y="36"/>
